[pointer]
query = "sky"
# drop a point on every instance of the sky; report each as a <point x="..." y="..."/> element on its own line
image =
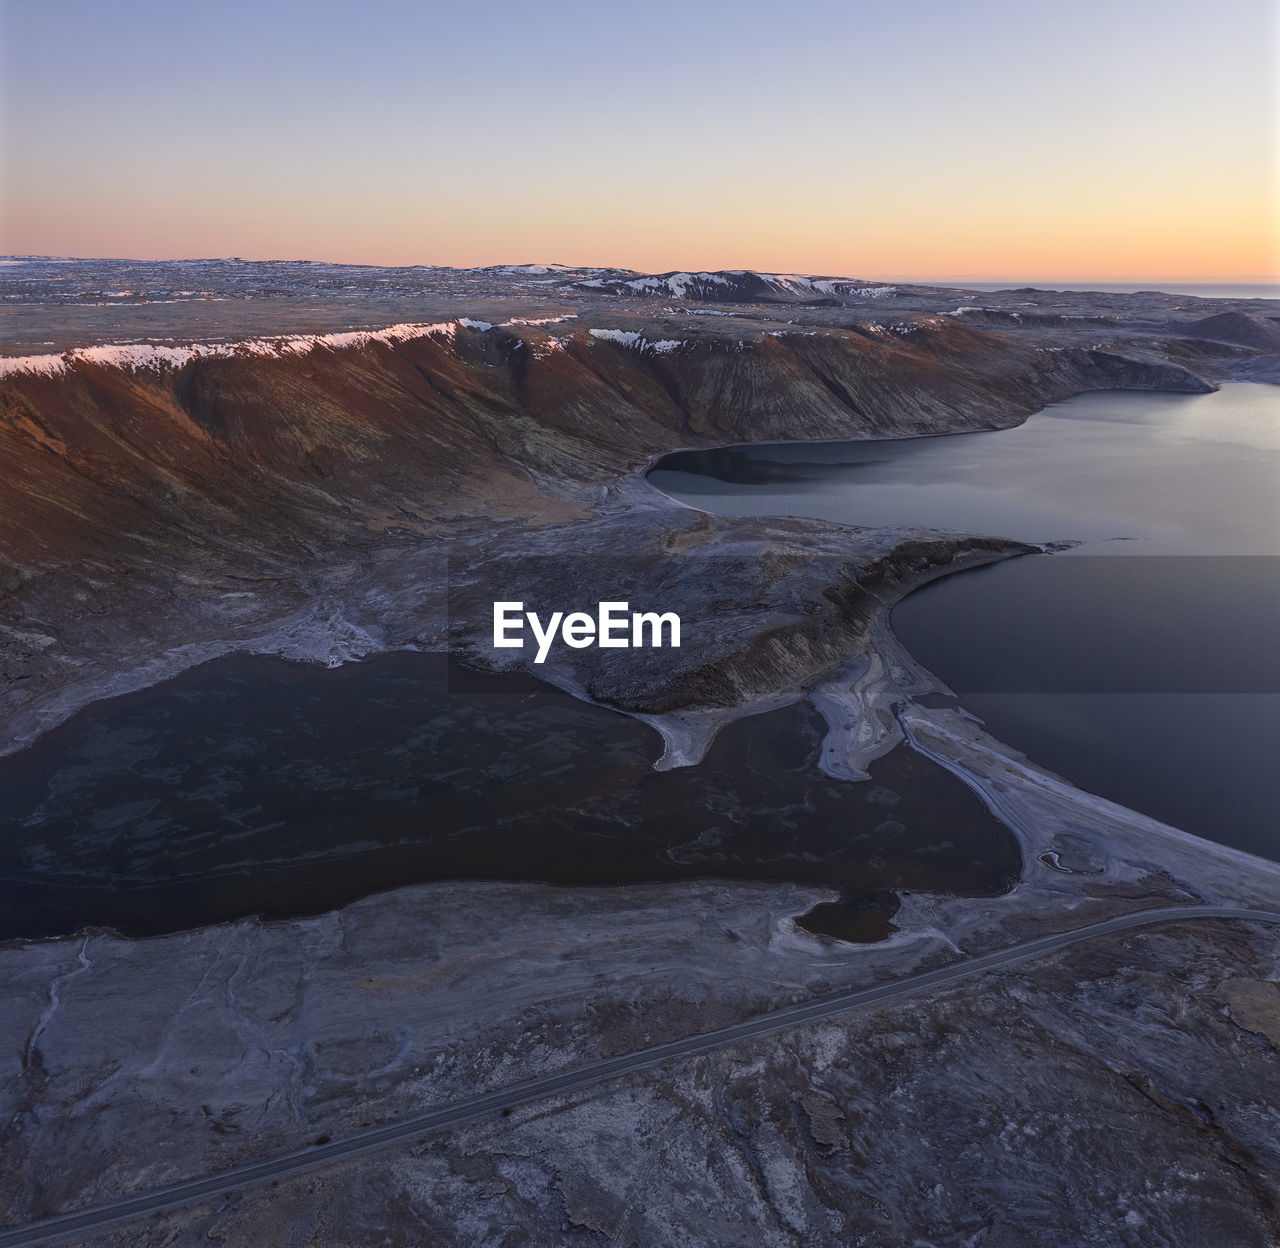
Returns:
<point x="932" y="139"/>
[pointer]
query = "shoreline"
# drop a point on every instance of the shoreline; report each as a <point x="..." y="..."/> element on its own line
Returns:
<point x="850" y="666"/>
<point x="872" y="707"/>
<point x="868" y="700"/>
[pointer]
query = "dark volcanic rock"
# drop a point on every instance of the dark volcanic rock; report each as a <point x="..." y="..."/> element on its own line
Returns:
<point x="766" y="605"/>
<point x="1239" y="328"/>
<point x="1127" y="373"/>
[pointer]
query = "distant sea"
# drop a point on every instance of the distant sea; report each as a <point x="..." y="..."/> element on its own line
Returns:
<point x="1200" y="290"/>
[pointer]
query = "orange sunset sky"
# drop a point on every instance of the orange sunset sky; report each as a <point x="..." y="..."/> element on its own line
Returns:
<point x="931" y="140"/>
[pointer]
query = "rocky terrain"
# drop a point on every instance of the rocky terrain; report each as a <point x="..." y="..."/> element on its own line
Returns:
<point x="326" y="463"/>
<point x="165" y="497"/>
<point x="1119" y="1093"/>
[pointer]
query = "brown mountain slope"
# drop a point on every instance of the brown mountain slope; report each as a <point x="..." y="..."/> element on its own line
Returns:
<point x="166" y="503"/>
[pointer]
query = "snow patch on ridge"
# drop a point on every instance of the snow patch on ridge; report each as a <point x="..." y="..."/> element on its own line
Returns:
<point x="536" y="269"/>
<point x="49" y="365"/>
<point x="630" y="338"/>
<point x="677" y="284"/>
<point x="794" y="283"/>
<point x="135" y="357"/>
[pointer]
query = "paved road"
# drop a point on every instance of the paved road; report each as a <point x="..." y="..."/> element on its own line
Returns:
<point x="99" y="1217"/>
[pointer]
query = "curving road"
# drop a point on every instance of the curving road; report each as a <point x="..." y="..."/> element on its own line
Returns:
<point x="99" y="1217"/>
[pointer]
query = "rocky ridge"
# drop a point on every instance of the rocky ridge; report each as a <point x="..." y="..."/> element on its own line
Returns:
<point x="163" y="499"/>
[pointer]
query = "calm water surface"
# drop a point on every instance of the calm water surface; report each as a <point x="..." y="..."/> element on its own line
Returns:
<point x="1141" y="664"/>
<point x="255" y="786"/>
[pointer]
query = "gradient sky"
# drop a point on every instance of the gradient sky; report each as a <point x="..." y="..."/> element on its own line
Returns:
<point x="1122" y="139"/>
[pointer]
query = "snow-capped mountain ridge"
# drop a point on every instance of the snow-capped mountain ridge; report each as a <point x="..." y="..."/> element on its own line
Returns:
<point x="232" y="277"/>
<point x="732" y="286"/>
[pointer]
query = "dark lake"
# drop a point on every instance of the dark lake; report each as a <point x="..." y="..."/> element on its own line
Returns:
<point x="256" y="786"/>
<point x="1142" y="664"/>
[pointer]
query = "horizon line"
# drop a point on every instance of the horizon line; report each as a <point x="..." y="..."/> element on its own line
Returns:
<point x="1127" y="279"/>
